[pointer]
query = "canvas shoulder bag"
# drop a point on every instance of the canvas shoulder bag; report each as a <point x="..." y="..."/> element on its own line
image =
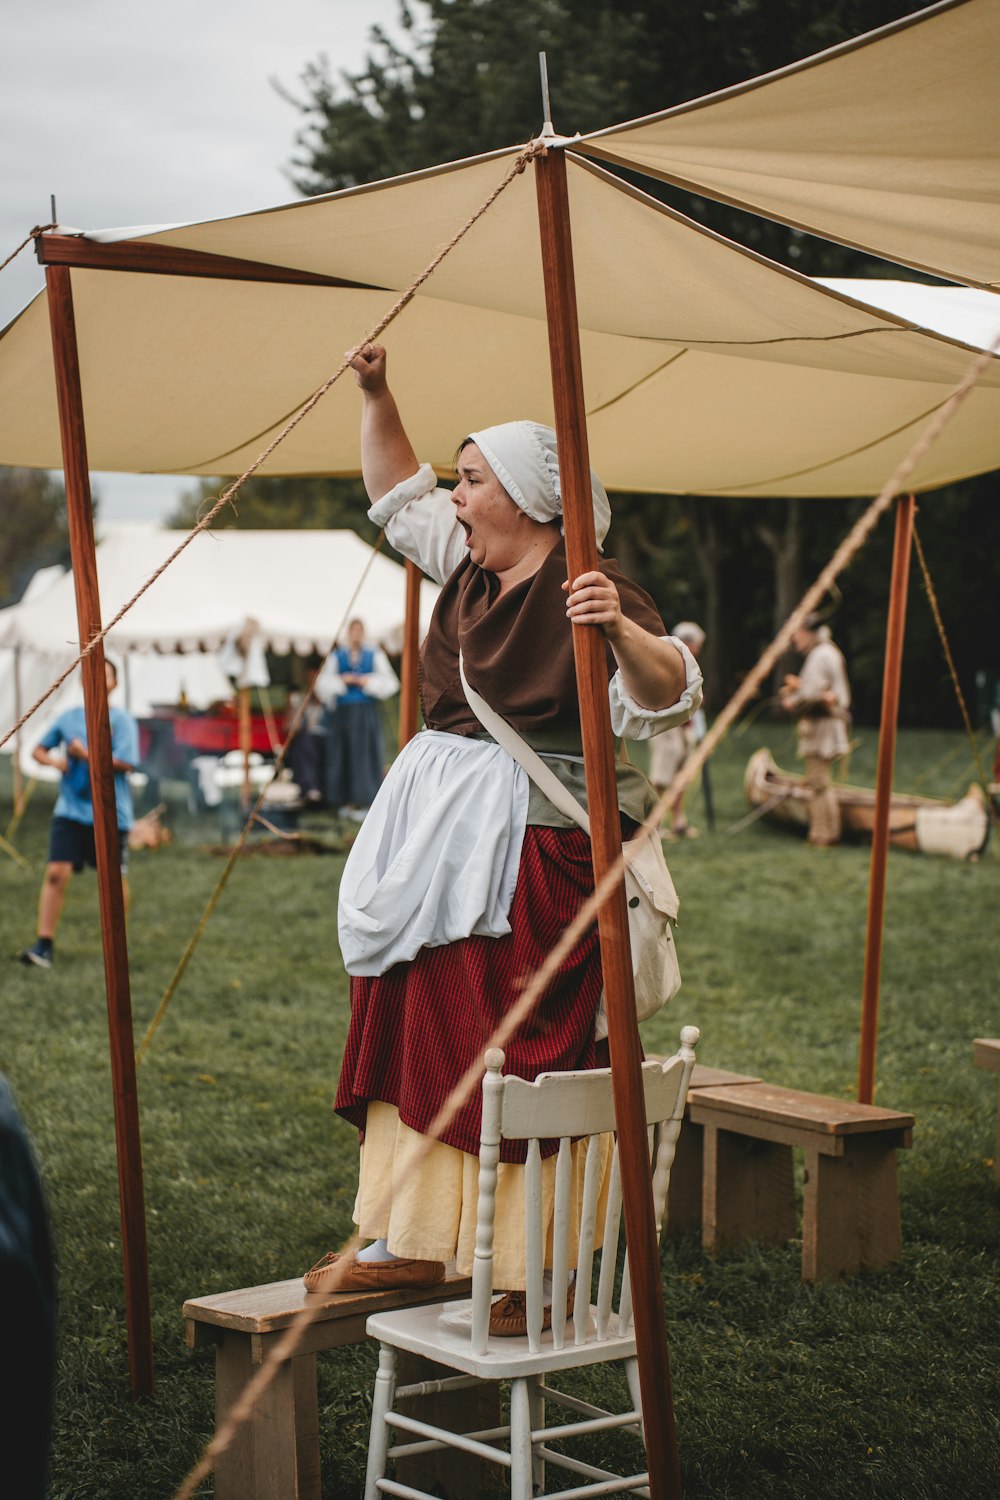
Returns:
<point x="649" y="891"/>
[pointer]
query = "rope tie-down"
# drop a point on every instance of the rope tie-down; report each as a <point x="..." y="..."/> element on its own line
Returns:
<point x="228" y="496"/>
<point x="932" y="600"/>
<point x="33" y="234"/>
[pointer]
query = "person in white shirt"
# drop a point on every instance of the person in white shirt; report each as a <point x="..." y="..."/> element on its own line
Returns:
<point x="820" y="699"/>
<point x="669" y="749"/>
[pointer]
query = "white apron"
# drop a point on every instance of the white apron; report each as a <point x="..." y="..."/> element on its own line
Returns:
<point x="437" y="856"/>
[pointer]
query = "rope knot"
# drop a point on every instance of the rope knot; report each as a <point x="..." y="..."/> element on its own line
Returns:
<point x="537" y="148"/>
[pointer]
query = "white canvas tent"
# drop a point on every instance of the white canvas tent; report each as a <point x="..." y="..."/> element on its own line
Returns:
<point x="889" y="142"/>
<point x="295" y="584"/>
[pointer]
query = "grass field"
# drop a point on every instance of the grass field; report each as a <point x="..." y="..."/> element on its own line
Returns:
<point x="884" y="1386"/>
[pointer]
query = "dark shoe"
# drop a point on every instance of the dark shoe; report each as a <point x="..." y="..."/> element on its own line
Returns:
<point x="345" y="1273"/>
<point x="509" y="1316"/>
<point x="40" y="954"/>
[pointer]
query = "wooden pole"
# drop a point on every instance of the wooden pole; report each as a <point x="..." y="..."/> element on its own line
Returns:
<point x="905" y="507"/>
<point x="109" y="876"/>
<point x="411" y="656"/>
<point x="590" y="650"/>
<point x="243" y="700"/>
<point x="18" y="773"/>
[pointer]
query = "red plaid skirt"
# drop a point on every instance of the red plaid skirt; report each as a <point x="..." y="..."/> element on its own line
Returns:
<point x="416" y="1028"/>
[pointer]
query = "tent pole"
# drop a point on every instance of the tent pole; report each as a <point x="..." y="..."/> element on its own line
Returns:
<point x="905" y="507"/>
<point x="590" y="651"/>
<point x="112" y="903"/>
<point x="18" y="773"/>
<point x="243" y="700"/>
<point x="411" y="651"/>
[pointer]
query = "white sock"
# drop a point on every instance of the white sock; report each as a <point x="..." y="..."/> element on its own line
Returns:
<point x="378" y="1250"/>
<point x="547" y="1287"/>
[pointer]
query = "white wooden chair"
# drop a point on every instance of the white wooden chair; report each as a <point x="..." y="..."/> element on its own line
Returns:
<point x="564" y="1106"/>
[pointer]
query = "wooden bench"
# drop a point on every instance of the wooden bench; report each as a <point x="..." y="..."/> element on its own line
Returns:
<point x="275" y="1454"/>
<point x="986" y="1054"/>
<point x="737" y="1161"/>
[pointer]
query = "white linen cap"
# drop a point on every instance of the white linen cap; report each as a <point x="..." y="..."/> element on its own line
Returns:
<point x="524" y="457"/>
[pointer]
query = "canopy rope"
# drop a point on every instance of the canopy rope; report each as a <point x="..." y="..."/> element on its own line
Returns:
<point x="252" y="817"/>
<point x="535" y="985"/>
<point x="535" y="148"/>
<point x="939" y="765"/>
<point x="20" y="807"/>
<point x="14" y="854"/>
<point x="39" y="229"/>
<point x="946" y="648"/>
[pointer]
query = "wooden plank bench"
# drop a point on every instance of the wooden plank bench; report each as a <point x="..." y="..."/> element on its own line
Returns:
<point x="275" y="1454"/>
<point x="986" y="1054"/>
<point x="741" y="1133"/>
<point x="686" y="1175"/>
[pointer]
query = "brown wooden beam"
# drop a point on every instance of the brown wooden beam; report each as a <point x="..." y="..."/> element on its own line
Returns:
<point x="172" y="260"/>
<point x="898" y="588"/>
<point x="409" y="672"/>
<point x="590" y="650"/>
<point x="109" y="876"/>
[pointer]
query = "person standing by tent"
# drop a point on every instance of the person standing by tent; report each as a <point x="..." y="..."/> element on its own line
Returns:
<point x="820" y="700"/>
<point x="356" y="678"/>
<point x="71" y="836"/>
<point x="307" y="751"/>
<point x="669" y="750"/>
<point x="464" y="875"/>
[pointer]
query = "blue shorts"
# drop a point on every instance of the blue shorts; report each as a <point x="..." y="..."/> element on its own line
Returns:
<point x="72" y="843"/>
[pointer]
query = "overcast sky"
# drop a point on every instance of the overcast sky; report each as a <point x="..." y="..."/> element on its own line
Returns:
<point x="154" y="111"/>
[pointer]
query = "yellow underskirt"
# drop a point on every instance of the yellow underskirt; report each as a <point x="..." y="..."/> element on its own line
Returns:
<point x="427" y="1209"/>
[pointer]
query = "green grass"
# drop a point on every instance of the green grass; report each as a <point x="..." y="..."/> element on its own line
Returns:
<point x="886" y="1385"/>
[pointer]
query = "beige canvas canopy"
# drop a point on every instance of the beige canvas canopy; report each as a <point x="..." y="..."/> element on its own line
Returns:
<point x="889" y="142"/>
<point x="708" y="370"/>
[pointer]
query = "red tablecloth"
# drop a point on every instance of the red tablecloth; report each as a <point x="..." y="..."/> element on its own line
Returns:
<point x="214" y="734"/>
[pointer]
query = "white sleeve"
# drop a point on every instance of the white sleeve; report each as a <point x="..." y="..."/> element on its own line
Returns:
<point x="382" y="681"/>
<point x="628" y="718"/>
<point x="419" y="521"/>
<point x="329" y="684"/>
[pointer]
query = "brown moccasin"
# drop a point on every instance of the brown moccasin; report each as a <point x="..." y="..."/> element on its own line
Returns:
<point x="345" y="1273"/>
<point x="509" y="1316"/>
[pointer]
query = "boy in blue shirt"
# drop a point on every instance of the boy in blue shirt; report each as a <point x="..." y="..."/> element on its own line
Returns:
<point x="71" y="837"/>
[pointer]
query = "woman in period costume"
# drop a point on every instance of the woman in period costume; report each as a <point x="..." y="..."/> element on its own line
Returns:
<point x="356" y="678"/>
<point x="464" y="876"/>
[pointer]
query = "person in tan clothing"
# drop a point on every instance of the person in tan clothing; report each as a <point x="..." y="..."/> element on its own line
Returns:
<point x="820" y="699"/>
<point x="670" y="749"/>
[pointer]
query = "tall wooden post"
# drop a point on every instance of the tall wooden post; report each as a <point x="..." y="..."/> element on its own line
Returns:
<point x="18" y="773"/>
<point x="898" y="588"/>
<point x="605" y="830"/>
<point x="244" y="730"/>
<point x="109" y="878"/>
<point x="411" y="661"/>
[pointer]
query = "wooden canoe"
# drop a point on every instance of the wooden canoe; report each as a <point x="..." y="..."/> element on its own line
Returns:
<point x="925" y="824"/>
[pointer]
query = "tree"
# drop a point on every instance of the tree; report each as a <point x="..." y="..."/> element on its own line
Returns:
<point x="465" y="79"/>
<point x="281" y="504"/>
<point x="34" y="534"/>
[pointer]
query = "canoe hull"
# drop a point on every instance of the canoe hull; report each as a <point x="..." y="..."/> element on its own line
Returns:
<point x="925" y="825"/>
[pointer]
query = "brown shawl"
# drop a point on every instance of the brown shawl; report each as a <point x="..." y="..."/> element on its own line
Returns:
<point x="517" y="649"/>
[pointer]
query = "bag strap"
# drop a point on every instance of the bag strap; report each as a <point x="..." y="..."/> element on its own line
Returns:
<point x="542" y="775"/>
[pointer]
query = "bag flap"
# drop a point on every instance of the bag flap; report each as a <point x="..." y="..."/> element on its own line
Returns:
<point x="644" y="857"/>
